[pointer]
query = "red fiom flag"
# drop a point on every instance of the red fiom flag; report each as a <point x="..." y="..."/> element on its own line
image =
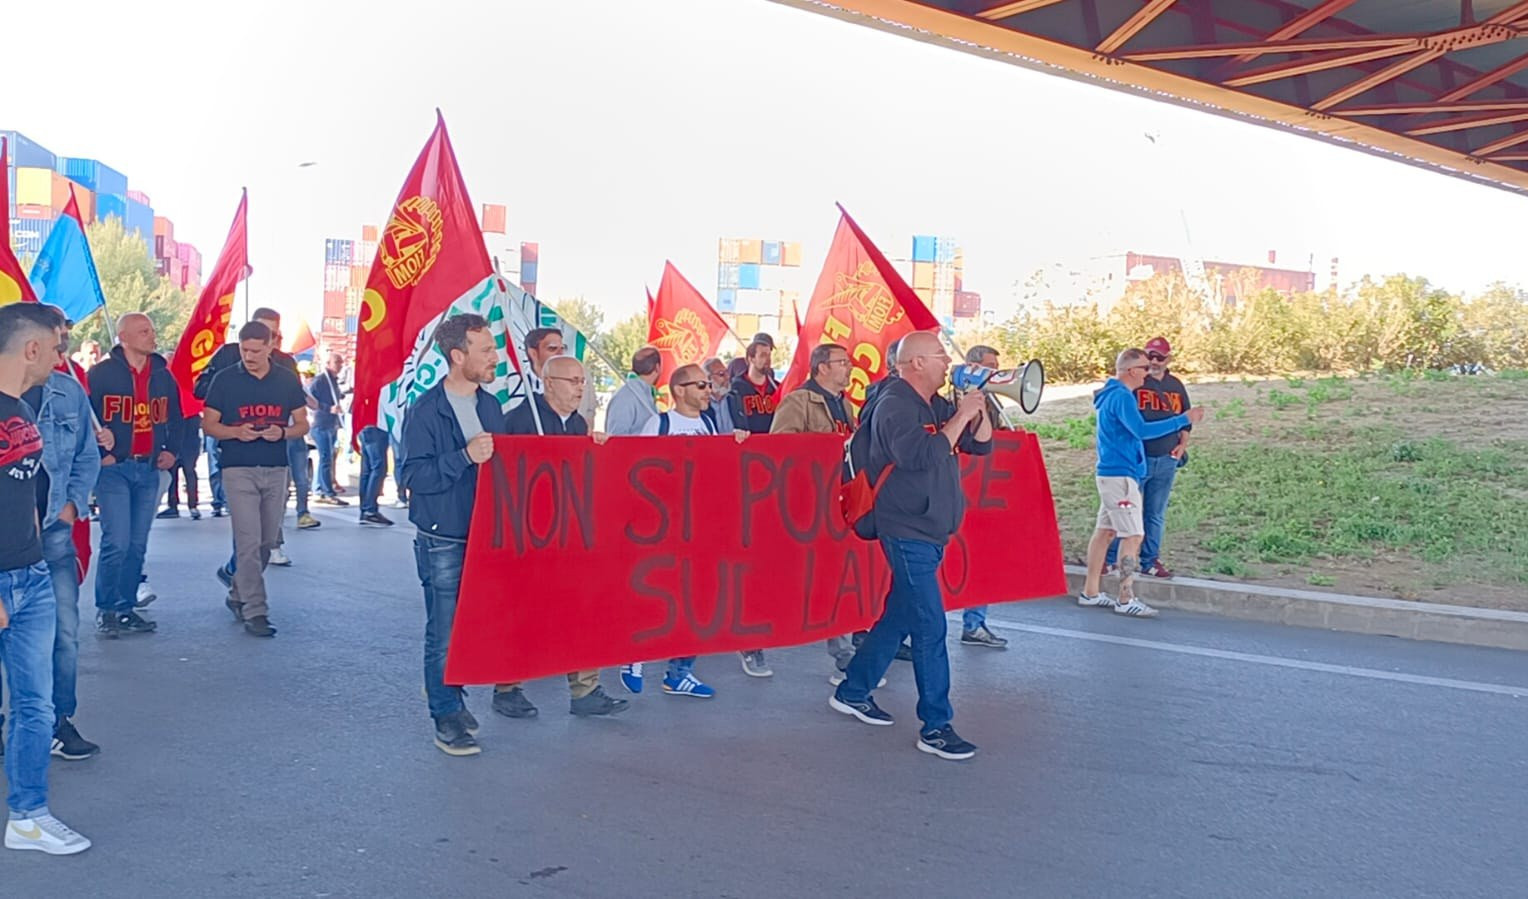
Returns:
<point x="430" y="253"/>
<point x="861" y="303"/>
<point x="14" y="286"/>
<point x="207" y="328"/>
<point x="682" y="325"/>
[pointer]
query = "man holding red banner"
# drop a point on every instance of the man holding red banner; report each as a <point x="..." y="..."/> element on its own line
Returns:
<point x="447" y="434"/>
<point x="553" y="411"/>
<point x="918" y="508"/>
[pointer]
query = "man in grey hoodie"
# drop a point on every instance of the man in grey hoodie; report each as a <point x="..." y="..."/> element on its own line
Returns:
<point x="635" y="403"/>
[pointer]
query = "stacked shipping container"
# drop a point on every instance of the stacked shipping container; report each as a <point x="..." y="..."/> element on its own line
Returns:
<point x="937" y="277"/>
<point x="758" y="284"/>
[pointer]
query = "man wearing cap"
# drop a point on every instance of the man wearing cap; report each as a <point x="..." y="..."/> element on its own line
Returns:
<point x="1162" y="396"/>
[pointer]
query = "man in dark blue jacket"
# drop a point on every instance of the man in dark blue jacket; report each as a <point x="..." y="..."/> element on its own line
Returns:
<point x="919" y="507"/>
<point x="447" y="434"/>
<point x="135" y="396"/>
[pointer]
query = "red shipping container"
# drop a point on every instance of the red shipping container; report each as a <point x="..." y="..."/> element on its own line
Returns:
<point x="139" y="196"/>
<point x="163" y="226"/>
<point x="530" y="252"/>
<point x="334" y="304"/>
<point x="369" y="233"/>
<point x="494" y="219"/>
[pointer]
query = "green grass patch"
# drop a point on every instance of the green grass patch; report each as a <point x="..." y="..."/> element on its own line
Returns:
<point x="1076" y="432"/>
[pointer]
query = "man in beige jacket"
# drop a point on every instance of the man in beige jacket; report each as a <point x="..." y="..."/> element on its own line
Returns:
<point x="818" y="407"/>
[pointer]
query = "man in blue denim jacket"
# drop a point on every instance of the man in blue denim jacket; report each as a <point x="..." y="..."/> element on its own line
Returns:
<point x="70" y="462"/>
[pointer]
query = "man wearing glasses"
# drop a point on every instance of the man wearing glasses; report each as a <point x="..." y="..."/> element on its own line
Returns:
<point x="690" y="390"/>
<point x="1162" y="396"/>
<point x="1121" y="469"/>
<point x="919" y="506"/>
<point x="554" y="412"/>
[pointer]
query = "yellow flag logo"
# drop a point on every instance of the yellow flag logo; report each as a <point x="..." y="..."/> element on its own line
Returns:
<point x="868" y="301"/>
<point x="411" y="242"/>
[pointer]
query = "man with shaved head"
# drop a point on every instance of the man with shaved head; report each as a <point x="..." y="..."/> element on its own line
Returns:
<point x="553" y="412"/>
<point x="133" y="395"/>
<point x="914" y="439"/>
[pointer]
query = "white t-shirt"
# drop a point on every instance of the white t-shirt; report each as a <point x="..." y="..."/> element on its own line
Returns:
<point x="678" y="425"/>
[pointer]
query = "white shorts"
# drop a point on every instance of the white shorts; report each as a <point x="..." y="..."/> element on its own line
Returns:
<point x="1119" y="506"/>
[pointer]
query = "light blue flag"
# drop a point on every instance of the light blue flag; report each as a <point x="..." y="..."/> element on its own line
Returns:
<point x="65" y="273"/>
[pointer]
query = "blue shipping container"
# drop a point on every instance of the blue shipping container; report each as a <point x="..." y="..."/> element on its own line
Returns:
<point x="350" y="321"/>
<point x="748" y="276"/>
<point x="140" y="218"/>
<point x="28" y="236"/>
<point x="23" y="151"/>
<point x="726" y="299"/>
<point x="726" y="274"/>
<point x="98" y="176"/>
<point x="945" y="251"/>
<point x="108" y="205"/>
<point x="924" y="248"/>
<point x="771" y="252"/>
<point x="528" y="273"/>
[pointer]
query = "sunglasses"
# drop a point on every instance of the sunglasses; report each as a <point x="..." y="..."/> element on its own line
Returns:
<point x="705" y="384"/>
<point x="1156" y="357"/>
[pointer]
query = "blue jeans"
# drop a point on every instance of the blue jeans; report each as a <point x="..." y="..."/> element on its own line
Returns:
<point x="297" y="460"/>
<point x="127" y="494"/>
<point x="373" y="468"/>
<point x="26" y="647"/>
<point x="678" y="668"/>
<point x="914" y="607"/>
<point x="325" y="438"/>
<point x="973" y="618"/>
<point x="58" y="553"/>
<point x="440" y="574"/>
<point x="1160" y="473"/>
<point x="215" y="472"/>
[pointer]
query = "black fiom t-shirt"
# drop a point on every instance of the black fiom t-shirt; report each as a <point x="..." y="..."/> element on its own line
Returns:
<point x="20" y="466"/>
<point x="240" y="398"/>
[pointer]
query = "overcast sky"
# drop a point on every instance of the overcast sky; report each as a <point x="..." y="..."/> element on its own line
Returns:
<point x="620" y="133"/>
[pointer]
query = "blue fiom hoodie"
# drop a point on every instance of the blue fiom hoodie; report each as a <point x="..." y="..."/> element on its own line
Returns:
<point x="1121" y="430"/>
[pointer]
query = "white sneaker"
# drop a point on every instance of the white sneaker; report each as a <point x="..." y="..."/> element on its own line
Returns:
<point x="754" y="664"/>
<point x="400" y="504"/>
<point x="1135" y="608"/>
<point x="279" y="558"/>
<point x="1102" y="600"/>
<point x="146" y="595"/>
<point x="44" y="833"/>
<point x="837" y="678"/>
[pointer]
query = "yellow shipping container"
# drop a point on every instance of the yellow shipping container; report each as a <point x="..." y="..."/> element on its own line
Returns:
<point x="746" y="324"/>
<point x="750" y="251"/>
<point x="923" y="276"/>
<point x="790" y="254"/>
<point x="34" y="187"/>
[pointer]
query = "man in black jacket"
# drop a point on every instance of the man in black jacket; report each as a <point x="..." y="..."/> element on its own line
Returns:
<point x="447" y="434"/>
<point x="919" y="507"/>
<point x="555" y="414"/>
<point x="135" y="396"/>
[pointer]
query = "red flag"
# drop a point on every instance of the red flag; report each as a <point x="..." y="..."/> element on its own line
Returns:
<point x="860" y="302"/>
<point x="207" y="329"/>
<point x="682" y="325"/>
<point x="14" y="285"/>
<point x="430" y="253"/>
<point x="301" y="339"/>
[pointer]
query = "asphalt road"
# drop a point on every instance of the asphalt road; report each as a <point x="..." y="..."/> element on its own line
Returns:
<point x="1186" y="756"/>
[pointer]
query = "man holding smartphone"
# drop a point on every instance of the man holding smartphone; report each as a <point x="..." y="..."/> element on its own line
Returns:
<point x="253" y="410"/>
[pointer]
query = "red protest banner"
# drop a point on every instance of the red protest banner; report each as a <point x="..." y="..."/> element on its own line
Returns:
<point x="686" y="546"/>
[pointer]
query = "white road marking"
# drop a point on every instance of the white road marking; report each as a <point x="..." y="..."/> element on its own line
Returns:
<point x="1273" y="661"/>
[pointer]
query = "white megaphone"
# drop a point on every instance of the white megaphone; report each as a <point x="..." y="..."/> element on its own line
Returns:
<point x="1022" y="385"/>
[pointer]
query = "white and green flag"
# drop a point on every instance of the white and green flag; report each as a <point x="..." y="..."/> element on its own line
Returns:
<point x="512" y="313"/>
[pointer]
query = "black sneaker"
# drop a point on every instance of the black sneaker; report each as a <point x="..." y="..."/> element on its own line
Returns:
<point x="69" y="745"/>
<point x="376" y="518"/>
<point x="106" y="624"/>
<point x="469" y="721"/>
<point x="133" y="623"/>
<point x="598" y="702"/>
<point x="225" y="577"/>
<point x="452" y="738"/>
<point x="168" y="513"/>
<point x="866" y="711"/>
<point x="217" y="511"/>
<point x="983" y="636"/>
<point x="236" y="607"/>
<point x="196" y="514"/>
<point x="946" y="744"/>
<point x="514" y="704"/>
<point x="259" y="626"/>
